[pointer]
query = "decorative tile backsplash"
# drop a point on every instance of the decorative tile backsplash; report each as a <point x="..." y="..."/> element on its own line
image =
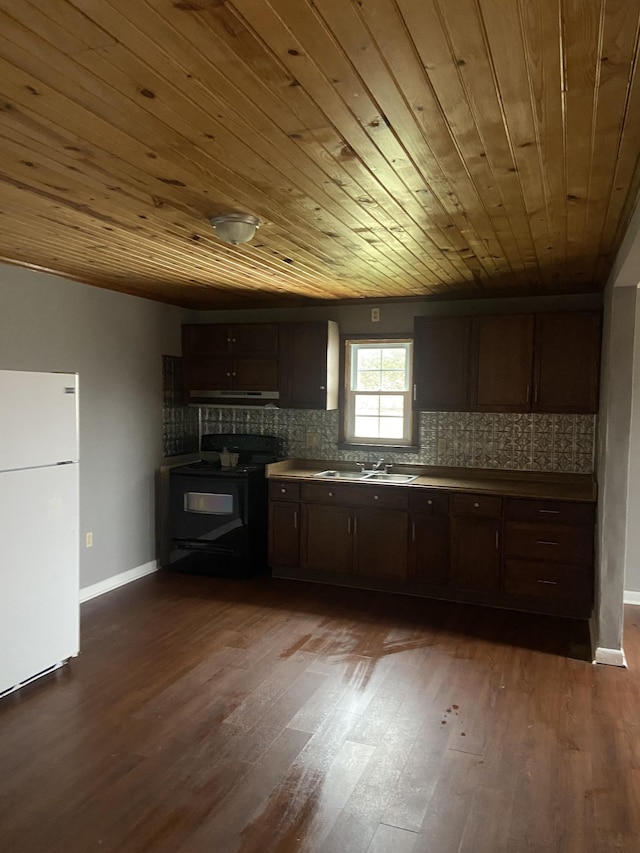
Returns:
<point x="180" y="424"/>
<point x="525" y="442"/>
<point x="521" y="442"/>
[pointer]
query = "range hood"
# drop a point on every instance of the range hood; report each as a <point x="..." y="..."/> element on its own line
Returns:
<point x="231" y="398"/>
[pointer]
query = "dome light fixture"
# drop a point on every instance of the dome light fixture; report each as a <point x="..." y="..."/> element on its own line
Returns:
<point x="235" y="228"/>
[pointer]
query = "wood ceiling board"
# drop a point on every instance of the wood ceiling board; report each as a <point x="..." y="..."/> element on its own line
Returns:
<point x="391" y="148"/>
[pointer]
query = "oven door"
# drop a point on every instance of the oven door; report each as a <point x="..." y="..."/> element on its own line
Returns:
<point x="208" y="510"/>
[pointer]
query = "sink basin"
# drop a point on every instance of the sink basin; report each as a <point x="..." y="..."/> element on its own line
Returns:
<point x="341" y="475"/>
<point x="367" y="476"/>
<point x="381" y="477"/>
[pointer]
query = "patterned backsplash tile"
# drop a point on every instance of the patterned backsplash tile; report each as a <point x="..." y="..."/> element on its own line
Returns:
<point x="521" y="442"/>
<point x="524" y="442"/>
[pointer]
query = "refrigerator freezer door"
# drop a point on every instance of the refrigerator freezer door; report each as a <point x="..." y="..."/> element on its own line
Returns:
<point x="39" y="610"/>
<point x="38" y="419"/>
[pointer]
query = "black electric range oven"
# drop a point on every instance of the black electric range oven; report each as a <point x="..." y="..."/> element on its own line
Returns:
<point x="218" y="515"/>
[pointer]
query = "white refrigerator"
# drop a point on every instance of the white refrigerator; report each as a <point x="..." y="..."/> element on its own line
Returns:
<point x="39" y="537"/>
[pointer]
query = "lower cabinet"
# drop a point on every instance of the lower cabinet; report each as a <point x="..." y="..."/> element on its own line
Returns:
<point x="475" y="542"/>
<point x="327" y="540"/>
<point x="511" y="552"/>
<point x="428" y="558"/>
<point x="358" y="530"/>
<point x="284" y="524"/>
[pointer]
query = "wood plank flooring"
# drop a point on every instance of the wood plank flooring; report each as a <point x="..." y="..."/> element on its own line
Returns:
<point x="208" y="715"/>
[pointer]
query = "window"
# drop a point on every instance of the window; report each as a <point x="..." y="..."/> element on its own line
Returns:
<point x="378" y="397"/>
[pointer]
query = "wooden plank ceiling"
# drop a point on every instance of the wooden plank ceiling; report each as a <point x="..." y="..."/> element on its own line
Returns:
<point x="390" y="148"/>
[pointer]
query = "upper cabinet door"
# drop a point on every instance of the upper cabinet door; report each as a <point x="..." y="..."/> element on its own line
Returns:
<point x="309" y="365"/>
<point x="502" y="363"/>
<point x="567" y="363"/>
<point x="441" y="363"/>
<point x="254" y="340"/>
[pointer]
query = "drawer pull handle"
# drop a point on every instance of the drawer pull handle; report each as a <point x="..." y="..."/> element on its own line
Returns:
<point x="413" y="531"/>
<point x="295" y="519"/>
<point x="349" y="525"/>
<point x="550" y="511"/>
<point x="497" y="540"/>
<point x="545" y="542"/>
<point x="476" y="504"/>
<point x="550" y="583"/>
<point x="355" y="525"/>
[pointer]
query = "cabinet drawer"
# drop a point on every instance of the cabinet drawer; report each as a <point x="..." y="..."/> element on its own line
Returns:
<point x="284" y="491"/>
<point x="429" y="501"/>
<point x="549" y="543"/>
<point x="485" y="505"/>
<point x="391" y="497"/>
<point x="558" y="581"/>
<point x="551" y="512"/>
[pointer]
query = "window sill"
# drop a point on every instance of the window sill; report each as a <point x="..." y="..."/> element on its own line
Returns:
<point x="396" y="448"/>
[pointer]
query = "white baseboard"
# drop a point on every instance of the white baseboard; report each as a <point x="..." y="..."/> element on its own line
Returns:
<point x="631" y="597"/>
<point x="611" y="657"/>
<point x="96" y="589"/>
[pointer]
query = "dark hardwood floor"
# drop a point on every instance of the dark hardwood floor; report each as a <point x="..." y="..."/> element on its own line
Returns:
<point x="207" y="715"/>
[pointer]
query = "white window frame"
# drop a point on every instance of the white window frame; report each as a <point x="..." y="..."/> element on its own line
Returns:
<point x="351" y="346"/>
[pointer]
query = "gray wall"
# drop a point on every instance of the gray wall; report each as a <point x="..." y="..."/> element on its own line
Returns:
<point x="397" y="317"/>
<point x="114" y="342"/>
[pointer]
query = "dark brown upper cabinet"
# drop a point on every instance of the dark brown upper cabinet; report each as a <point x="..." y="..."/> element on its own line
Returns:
<point x="567" y="362"/>
<point x="223" y="357"/>
<point x="308" y="374"/>
<point x="502" y="363"/>
<point x="508" y="363"/>
<point x="441" y="363"/>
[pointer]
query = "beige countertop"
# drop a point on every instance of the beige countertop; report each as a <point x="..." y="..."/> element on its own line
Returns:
<point x="517" y="484"/>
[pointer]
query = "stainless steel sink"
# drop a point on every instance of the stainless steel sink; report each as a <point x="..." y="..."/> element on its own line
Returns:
<point x="341" y="475"/>
<point x="381" y="477"/>
<point x="367" y="476"/>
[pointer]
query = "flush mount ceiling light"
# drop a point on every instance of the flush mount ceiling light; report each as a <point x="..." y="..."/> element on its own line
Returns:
<point x="235" y="227"/>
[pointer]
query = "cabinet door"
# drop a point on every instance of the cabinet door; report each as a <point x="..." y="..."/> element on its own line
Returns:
<point x="567" y="362"/>
<point x="284" y="534"/>
<point x="441" y="363"/>
<point x="255" y="374"/>
<point x="327" y="538"/>
<point x="429" y="549"/>
<point x="308" y="365"/>
<point x="254" y="340"/>
<point x="475" y="553"/>
<point x="502" y="363"/>
<point x="206" y="339"/>
<point x="380" y="543"/>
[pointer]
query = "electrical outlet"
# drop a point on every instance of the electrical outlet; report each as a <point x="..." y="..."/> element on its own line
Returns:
<point x="312" y="440"/>
<point x="88" y="540"/>
<point x="375" y="315"/>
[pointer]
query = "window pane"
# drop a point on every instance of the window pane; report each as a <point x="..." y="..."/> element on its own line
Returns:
<point x="367" y="404"/>
<point x="394" y="358"/>
<point x="390" y="428"/>
<point x="393" y="380"/>
<point x="368" y="380"/>
<point x="369" y="359"/>
<point x="366" y="427"/>
<point x="392" y="406"/>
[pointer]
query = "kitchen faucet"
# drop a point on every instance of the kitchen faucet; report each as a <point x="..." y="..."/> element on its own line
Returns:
<point x="379" y="465"/>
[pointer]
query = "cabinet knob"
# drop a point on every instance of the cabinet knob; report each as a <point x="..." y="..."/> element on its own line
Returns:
<point x="375" y="497"/>
<point x="322" y="388"/>
<point x="429" y="502"/>
<point x="283" y="491"/>
<point x="234" y="373"/>
<point x="476" y="504"/>
<point x="233" y="340"/>
<point x="228" y="374"/>
<point x="330" y="494"/>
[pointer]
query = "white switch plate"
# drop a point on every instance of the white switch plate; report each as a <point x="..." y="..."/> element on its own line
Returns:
<point x="375" y="315"/>
<point x="88" y="540"/>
